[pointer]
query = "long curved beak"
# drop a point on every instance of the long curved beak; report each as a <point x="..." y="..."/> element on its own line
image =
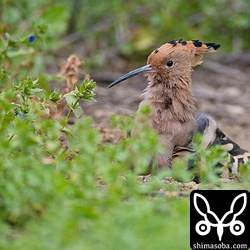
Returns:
<point x="132" y="73"/>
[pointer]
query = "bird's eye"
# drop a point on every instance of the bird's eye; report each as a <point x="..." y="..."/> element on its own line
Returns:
<point x="170" y="63"/>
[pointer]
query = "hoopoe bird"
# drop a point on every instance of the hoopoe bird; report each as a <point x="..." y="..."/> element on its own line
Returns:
<point x="169" y="95"/>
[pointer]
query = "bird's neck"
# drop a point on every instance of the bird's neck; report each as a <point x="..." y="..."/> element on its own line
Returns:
<point x="173" y="95"/>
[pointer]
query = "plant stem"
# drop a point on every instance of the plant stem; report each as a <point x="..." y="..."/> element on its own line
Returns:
<point x="70" y="112"/>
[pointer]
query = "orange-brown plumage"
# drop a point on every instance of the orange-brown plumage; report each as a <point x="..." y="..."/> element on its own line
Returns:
<point x="173" y="113"/>
<point x="169" y="94"/>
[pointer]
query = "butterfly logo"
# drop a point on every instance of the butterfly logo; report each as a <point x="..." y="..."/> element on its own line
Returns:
<point x="236" y="227"/>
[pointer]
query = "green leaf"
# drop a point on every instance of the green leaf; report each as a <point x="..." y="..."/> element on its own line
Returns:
<point x="3" y="74"/>
<point x="87" y="90"/>
<point x="3" y="43"/>
<point x="77" y="111"/>
<point x="40" y="93"/>
<point x="12" y="42"/>
<point x="40" y="28"/>
<point x="67" y="131"/>
<point x="71" y="98"/>
<point x="7" y="119"/>
<point x="58" y="24"/>
<point x="55" y="96"/>
<point x="19" y="53"/>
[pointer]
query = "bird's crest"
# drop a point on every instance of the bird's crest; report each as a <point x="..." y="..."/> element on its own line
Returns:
<point x="185" y="54"/>
<point x="193" y="50"/>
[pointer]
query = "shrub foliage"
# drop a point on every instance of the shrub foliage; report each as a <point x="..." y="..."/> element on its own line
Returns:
<point x="61" y="187"/>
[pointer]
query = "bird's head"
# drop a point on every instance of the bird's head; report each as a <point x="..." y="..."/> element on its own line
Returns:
<point x="173" y="59"/>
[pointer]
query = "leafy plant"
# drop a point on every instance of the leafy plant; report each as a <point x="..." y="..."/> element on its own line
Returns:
<point x="61" y="187"/>
<point x="84" y="93"/>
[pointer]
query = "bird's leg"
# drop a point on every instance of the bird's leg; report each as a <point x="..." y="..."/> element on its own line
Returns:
<point x="238" y="155"/>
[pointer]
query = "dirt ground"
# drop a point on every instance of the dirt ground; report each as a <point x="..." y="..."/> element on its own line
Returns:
<point x="221" y="86"/>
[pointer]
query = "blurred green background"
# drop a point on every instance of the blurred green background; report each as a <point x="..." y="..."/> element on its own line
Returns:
<point x="60" y="202"/>
<point x="101" y="30"/>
